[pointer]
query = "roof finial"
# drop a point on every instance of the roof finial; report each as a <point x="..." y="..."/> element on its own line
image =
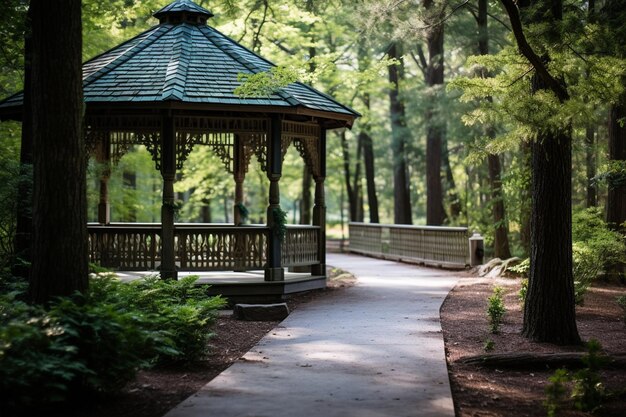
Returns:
<point x="183" y="11"/>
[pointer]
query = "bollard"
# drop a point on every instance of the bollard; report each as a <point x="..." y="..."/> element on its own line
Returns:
<point x="477" y="249"/>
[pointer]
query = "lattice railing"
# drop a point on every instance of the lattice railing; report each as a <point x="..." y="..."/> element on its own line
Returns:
<point x="445" y="246"/>
<point x="198" y="247"/>
<point x="300" y="246"/>
<point x="221" y="248"/>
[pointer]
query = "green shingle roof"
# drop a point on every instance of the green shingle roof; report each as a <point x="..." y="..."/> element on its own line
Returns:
<point x="185" y="62"/>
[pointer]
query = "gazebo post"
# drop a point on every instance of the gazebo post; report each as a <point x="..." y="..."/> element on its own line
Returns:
<point x="168" y="172"/>
<point x="103" y="156"/>
<point x="319" y="209"/>
<point x="239" y="174"/>
<point x="274" y="270"/>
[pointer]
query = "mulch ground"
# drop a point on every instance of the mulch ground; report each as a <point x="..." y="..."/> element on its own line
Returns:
<point x="482" y="391"/>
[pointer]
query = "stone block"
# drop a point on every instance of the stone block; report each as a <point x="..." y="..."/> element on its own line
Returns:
<point x="261" y="312"/>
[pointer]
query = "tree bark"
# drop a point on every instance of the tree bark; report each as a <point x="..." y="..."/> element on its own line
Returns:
<point x="435" y="213"/>
<point x="501" y="233"/>
<point x="549" y="311"/>
<point x="357" y="186"/>
<point x="59" y="200"/>
<point x="24" y="218"/>
<point x="347" y="176"/>
<point x="616" y="201"/>
<point x="590" y="162"/>
<point x="399" y="133"/>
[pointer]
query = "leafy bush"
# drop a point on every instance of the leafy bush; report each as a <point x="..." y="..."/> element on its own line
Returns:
<point x="621" y="301"/>
<point x="496" y="310"/>
<point x="96" y="342"/>
<point x="523" y="291"/>
<point x="587" y="390"/>
<point x="594" y="247"/>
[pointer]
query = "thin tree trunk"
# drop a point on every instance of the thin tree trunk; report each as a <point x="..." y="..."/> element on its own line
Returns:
<point x="435" y="213"/>
<point x="59" y="200"/>
<point x="616" y="201"/>
<point x="357" y="186"/>
<point x="590" y="162"/>
<point x="501" y="234"/>
<point x="525" y="196"/>
<point x="130" y="185"/>
<point x="24" y="218"/>
<point x="399" y="133"/>
<point x="352" y="198"/>
<point x="453" y="196"/>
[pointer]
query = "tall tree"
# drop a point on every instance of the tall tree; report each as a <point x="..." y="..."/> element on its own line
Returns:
<point x="549" y="313"/>
<point x="368" y="157"/>
<point x="59" y="248"/>
<point x="501" y="233"/>
<point x="399" y="132"/>
<point x="435" y="128"/>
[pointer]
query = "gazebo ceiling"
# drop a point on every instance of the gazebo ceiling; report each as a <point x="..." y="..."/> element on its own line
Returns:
<point x="184" y="63"/>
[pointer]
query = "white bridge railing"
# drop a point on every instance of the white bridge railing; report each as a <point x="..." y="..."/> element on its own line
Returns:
<point x="433" y="245"/>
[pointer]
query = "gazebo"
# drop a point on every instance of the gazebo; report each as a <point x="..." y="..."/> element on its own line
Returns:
<point x="172" y="88"/>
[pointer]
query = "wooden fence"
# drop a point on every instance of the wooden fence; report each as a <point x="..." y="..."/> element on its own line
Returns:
<point x="198" y="247"/>
<point x="432" y="245"/>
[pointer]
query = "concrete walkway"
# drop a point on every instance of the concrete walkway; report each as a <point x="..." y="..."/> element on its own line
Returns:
<point x="370" y="351"/>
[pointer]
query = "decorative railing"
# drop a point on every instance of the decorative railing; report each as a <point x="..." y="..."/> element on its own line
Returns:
<point x="434" y="245"/>
<point x="198" y="247"/>
<point x="300" y="246"/>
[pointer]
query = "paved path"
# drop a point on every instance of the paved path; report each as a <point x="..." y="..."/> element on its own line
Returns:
<point x="373" y="350"/>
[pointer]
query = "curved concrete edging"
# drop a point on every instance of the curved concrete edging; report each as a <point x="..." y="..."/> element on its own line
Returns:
<point x="373" y="350"/>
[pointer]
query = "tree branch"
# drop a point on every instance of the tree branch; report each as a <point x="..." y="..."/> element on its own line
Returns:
<point x="529" y="53"/>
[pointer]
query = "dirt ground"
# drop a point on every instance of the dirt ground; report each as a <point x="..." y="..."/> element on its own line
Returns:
<point x="154" y="392"/>
<point x="481" y="391"/>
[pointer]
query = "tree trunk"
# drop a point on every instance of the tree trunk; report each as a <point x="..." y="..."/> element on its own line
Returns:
<point x="549" y="311"/>
<point x="24" y="218"/>
<point x="357" y="186"/>
<point x="525" y="197"/>
<point x="453" y="196"/>
<point x="590" y="162"/>
<point x="616" y="201"/>
<point x="435" y="213"/>
<point x="501" y="234"/>
<point x="366" y="140"/>
<point x="352" y="197"/>
<point x="59" y="200"/>
<point x="399" y="133"/>
<point x="130" y="195"/>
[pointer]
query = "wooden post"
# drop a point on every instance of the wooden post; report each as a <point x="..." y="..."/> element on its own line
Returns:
<point x="168" y="172"/>
<point x="274" y="270"/>
<point x="239" y="174"/>
<point x="103" y="156"/>
<point x="319" y="210"/>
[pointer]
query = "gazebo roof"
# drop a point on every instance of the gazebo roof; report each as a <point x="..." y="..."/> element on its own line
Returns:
<point x="183" y="60"/>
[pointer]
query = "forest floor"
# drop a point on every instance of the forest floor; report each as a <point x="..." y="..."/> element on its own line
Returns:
<point x="487" y="391"/>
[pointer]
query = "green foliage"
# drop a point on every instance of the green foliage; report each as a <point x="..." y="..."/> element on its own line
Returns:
<point x="621" y="301"/>
<point x="264" y="84"/>
<point x="523" y="291"/>
<point x="588" y="392"/>
<point x="489" y="345"/>
<point x="243" y="211"/>
<point x="496" y="310"/>
<point x="556" y="392"/>
<point x="280" y="223"/>
<point x="521" y="269"/>
<point x="95" y="343"/>
<point x="594" y="247"/>
<point x="614" y="174"/>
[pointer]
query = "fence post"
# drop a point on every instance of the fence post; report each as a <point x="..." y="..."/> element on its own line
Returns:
<point x="477" y="249"/>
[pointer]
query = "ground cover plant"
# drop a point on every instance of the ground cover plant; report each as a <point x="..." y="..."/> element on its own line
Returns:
<point x="93" y="344"/>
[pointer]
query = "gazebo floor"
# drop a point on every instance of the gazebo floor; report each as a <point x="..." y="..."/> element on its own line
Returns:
<point x="247" y="286"/>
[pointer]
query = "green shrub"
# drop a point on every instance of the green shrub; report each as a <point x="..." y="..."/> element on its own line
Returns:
<point x="555" y="392"/>
<point x="621" y="301"/>
<point x="489" y="345"/>
<point x="523" y="291"/>
<point x="179" y="308"/>
<point x="496" y="310"/>
<point x="95" y="343"/>
<point x="522" y="269"/>
<point x="588" y="393"/>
